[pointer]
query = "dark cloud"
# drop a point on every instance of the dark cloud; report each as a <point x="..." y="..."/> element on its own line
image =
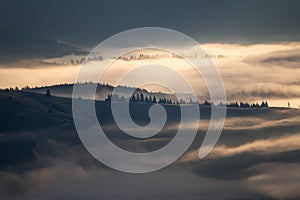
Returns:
<point x="284" y="58"/>
<point x="65" y="180"/>
<point x="87" y="22"/>
<point x="277" y="180"/>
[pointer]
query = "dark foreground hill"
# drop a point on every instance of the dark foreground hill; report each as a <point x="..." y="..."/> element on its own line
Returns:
<point x="34" y="113"/>
<point x="38" y="140"/>
<point x="22" y="110"/>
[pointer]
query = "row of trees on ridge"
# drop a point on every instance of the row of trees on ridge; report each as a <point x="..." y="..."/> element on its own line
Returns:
<point x="152" y="99"/>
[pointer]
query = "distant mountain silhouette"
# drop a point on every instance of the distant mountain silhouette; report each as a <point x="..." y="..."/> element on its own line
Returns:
<point x="19" y="45"/>
<point x="103" y="90"/>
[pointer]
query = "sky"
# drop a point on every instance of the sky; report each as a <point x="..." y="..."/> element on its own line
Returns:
<point x="260" y="39"/>
<point x="250" y="72"/>
<point x="86" y="23"/>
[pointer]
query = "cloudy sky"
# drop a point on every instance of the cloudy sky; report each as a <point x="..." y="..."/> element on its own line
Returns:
<point x="260" y="40"/>
<point x="88" y="22"/>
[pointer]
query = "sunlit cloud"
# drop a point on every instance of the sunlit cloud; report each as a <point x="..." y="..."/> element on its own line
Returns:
<point x="250" y="72"/>
<point x="277" y="180"/>
<point x="260" y="146"/>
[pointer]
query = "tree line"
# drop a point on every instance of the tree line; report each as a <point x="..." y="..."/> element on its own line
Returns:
<point x="141" y="98"/>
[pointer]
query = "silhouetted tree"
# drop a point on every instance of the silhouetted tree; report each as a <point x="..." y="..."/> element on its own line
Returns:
<point x="162" y="100"/>
<point x="154" y="100"/>
<point x="233" y="105"/>
<point x="182" y="101"/>
<point x="206" y="103"/>
<point x="133" y="98"/>
<point x="247" y="105"/>
<point x="241" y="104"/>
<point x="108" y="98"/>
<point x="48" y="93"/>
<point x="255" y="105"/>
<point x="266" y="103"/>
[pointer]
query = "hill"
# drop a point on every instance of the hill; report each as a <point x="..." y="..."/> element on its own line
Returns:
<point x="103" y="90"/>
<point x="39" y="142"/>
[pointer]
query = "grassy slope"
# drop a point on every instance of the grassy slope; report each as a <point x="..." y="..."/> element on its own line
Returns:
<point x="34" y="125"/>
